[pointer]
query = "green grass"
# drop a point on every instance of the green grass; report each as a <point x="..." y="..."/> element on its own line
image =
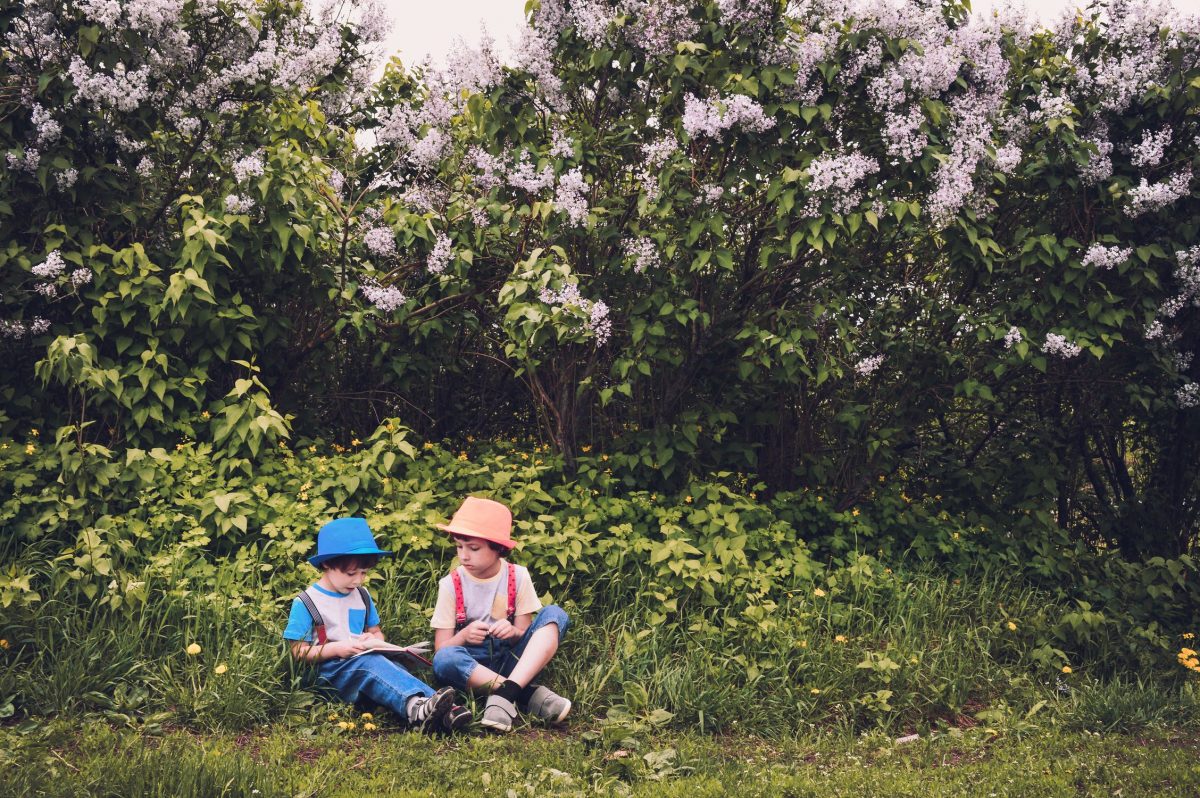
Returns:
<point x="97" y="760"/>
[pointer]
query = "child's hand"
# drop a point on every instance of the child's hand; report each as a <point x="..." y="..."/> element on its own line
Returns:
<point x="475" y="632"/>
<point x="503" y="630"/>
<point x="345" y="648"/>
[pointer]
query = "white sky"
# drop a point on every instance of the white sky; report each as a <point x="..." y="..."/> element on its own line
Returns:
<point x="422" y="28"/>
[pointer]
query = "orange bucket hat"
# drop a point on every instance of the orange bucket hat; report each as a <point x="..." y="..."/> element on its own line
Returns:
<point x="484" y="519"/>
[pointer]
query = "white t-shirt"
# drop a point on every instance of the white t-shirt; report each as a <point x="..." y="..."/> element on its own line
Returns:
<point x="476" y="595"/>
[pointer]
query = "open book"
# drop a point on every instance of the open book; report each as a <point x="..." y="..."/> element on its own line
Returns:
<point x="409" y="656"/>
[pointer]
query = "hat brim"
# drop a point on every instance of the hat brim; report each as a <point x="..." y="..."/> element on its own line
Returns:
<point x="317" y="559"/>
<point x="509" y="544"/>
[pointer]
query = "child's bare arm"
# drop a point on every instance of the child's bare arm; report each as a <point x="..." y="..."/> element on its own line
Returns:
<point x="504" y="630"/>
<point x="312" y="652"/>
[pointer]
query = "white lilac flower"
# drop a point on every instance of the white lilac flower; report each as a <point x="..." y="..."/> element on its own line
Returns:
<point x="712" y="117"/>
<point x="867" y="366"/>
<point x="250" y="166"/>
<point x="570" y="197"/>
<point x="1150" y="150"/>
<point x="490" y="169"/>
<point x="48" y="290"/>
<point x="710" y="194"/>
<point x="427" y="151"/>
<point x="1148" y="197"/>
<point x="1099" y="256"/>
<point x="386" y="299"/>
<point x="380" y="241"/>
<point x="81" y="277"/>
<point x="561" y="146"/>
<point x="657" y="25"/>
<point x="1059" y="345"/>
<point x="1012" y="337"/>
<point x="441" y="255"/>
<point x="598" y="322"/>
<point x="1183" y="361"/>
<point x="145" y="167"/>
<point x="1008" y="158"/>
<point x="836" y="178"/>
<point x="1099" y="166"/>
<point x="48" y="129"/>
<point x="902" y="135"/>
<point x="52" y="267"/>
<point x="238" y="203"/>
<point x="66" y="178"/>
<point x="642" y="252"/>
<point x="479" y="217"/>
<point x="524" y="175"/>
<point x="1188" y="395"/>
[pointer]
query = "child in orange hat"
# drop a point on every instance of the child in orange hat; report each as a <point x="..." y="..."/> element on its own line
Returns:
<point x="486" y="637"/>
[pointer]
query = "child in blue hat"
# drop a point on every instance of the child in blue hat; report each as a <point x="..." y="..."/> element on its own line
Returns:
<point x="335" y="619"/>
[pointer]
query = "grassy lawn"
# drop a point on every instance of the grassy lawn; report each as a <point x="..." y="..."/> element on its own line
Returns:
<point x="96" y="759"/>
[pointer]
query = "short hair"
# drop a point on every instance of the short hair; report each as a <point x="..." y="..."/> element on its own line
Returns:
<point x="344" y="562"/>
<point x="496" y="547"/>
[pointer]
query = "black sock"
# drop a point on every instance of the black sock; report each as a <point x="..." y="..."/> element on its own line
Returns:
<point x="509" y="690"/>
<point x="526" y="694"/>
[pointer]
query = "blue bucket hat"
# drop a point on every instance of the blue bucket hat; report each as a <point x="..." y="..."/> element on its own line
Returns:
<point x="344" y="536"/>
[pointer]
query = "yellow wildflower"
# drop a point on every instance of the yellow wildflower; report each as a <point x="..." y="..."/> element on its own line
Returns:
<point x="585" y="449"/>
<point x="1012" y="627"/>
<point x="462" y="455"/>
<point x="368" y="716"/>
<point x="205" y="415"/>
<point x="687" y="499"/>
<point x="854" y="512"/>
<point x="537" y="462"/>
<point x="1066" y="668"/>
<point x="524" y="455"/>
<point x="34" y="433"/>
<point x="1188" y="636"/>
<point x="369" y="727"/>
<point x="355" y="441"/>
<point x="193" y="649"/>
<point x="350" y="724"/>
<point x="815" y="691"/>
<point x="803" y="644"/>
<point x="343" y="725"/>
<point x="220" y="669"/>
<point x="3" y="644"/>
<point x="603" y="458"/>
<point x="30" y="449"/>
<point x="819" y="593"/>
<point x="840" y="639"/>
<point x="312" y="449"/>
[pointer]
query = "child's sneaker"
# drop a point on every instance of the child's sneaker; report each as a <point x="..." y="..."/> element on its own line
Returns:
<point x="428" y="713"/>
<point x="548" y="705"/>
<point x="457" y="719"/>
<point x="498" y="714"/>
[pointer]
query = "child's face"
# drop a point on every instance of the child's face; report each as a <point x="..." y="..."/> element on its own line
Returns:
<point x="476" y="556"/>
<point x="343" y="581"/>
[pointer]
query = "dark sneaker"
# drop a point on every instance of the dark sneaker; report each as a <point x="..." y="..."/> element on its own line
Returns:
<point x="498" y="714"/>
<point x="548" y="705"/>
<point x="427" y="714"/>
<point x="457" y="719"/>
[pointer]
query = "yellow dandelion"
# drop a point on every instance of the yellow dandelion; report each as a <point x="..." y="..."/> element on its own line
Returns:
<point x="537" y="462"/>
<point x="803" y="644"/>
<point x="524" y="455"/>
<point x="815" y="691"/>
<point x="343" y="725"/>
<point x="1012" y="627"/>
<point x="332" y="716"/>
<point x="819" y="593"/>
<point x="193" y="649"/>
<point x="1066" y="668"/>
<point x="913" y="659"/>
<point x="369" y="727"/>
<point x="368" y="716"/>
<point x="351" y="725"/>
<point x="840" y="639"/>
<point x="220" y="669"/>
<point x="3" y="644"/>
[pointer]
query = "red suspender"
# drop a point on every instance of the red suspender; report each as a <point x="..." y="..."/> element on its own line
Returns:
<point x="460" y="609"/>
<point x="512" y="593"/>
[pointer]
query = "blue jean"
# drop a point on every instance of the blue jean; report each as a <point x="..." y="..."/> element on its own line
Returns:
<point x="453" y="665"/>
<point x="375" y="677"/>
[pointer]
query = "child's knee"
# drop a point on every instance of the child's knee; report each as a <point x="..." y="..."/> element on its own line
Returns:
<point x="453" y="665"/>
<point x="554" y="614"/>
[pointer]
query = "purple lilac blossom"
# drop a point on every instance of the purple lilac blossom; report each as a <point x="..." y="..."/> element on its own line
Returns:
<point x="1059" y="345"/>
<point x="571" y="196"/>
<point x="380" y="241"/>
<point x="441" y="255"/>
<point x="1099" y="256"/>
<point x="1149" y="197"/>
<point x="385" y="298"/>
